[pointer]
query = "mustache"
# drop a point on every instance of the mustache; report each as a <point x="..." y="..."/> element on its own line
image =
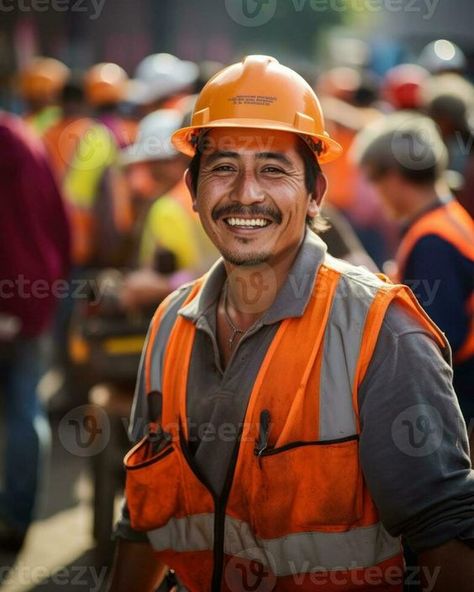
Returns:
<point x="250" y="211"/>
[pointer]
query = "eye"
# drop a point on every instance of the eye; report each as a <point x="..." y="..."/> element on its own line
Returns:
<point x="272" y="170"/>
<point x="224" y="168"/>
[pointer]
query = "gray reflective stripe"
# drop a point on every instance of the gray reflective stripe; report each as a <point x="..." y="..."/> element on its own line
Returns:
<point x="192" y="533"/>
<point x="292" y="554"/>
<point x="354" y="294"/>
<point x="139" y="414"/>
<point x="162" y="336"/>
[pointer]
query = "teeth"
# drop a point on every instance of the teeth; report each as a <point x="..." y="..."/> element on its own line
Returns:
<point x="247" y="223"/>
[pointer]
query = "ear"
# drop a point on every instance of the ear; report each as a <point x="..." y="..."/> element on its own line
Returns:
<point x="317" y="195"/>
<point x="189" y="185"/>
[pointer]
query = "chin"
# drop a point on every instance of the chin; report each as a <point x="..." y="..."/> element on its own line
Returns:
<point x="245" y="259"/>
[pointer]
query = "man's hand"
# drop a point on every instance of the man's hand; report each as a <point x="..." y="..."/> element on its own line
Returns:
<point x="142" y="288"/>
<point x="136" y="568"/>
<point x="447" y="568"/>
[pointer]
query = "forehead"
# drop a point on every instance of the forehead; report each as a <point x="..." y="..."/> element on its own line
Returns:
<point x="247" y="141"/>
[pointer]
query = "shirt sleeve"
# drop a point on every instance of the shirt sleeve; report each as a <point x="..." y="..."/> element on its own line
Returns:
<point x="438" y="275"/>
<point x="413" y="442"/>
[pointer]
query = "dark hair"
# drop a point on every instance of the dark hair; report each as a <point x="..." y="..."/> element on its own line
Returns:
<point x="406" y="143"/>
<point x="311" y="172"/>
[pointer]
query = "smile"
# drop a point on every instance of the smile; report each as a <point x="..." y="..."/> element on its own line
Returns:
<point x="247" y="222"/>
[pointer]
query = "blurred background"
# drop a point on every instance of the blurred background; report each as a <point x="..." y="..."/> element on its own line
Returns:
<point x="93" y="202"/>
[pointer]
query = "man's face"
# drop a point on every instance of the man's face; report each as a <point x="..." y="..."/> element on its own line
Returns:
<point x="251" y="194"/>
<point x="389" y="188"/>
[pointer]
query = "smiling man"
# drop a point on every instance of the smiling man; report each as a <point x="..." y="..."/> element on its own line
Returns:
<point x="297" y="412"/>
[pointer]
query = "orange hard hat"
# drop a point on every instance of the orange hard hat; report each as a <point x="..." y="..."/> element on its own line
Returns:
<point x="43" y="79"/>
<point x="259" y="93"/>
<point x="105" y="84"/>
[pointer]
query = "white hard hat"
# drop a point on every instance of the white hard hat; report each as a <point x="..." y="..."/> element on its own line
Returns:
<point x="442" y="55"/>
<point x="160" y="75"/>
<point x="153" y="138"/>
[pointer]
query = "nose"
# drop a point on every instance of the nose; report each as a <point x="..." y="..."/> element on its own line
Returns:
<point x="247" y="189"/>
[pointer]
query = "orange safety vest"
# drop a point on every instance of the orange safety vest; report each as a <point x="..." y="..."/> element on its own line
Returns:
<point x="453" y="224"/>
<point x="295" y="513"/>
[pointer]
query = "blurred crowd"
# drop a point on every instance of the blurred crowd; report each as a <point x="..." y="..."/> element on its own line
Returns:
<point x="97" y="225"/>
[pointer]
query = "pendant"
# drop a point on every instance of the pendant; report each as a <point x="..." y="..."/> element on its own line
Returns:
<point x="234" y="334"/>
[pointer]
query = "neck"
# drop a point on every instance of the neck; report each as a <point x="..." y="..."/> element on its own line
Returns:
<point x="419" y="201"/>
<point x="253" y="289"/>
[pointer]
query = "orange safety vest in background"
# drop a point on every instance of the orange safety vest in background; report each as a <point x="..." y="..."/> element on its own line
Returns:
<point x="453" y="224"/>
<point x="295" y="513"/>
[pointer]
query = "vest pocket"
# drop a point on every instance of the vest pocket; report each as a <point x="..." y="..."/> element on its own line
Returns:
<point x="314" y="485"/>
<point x="152" y="485"/>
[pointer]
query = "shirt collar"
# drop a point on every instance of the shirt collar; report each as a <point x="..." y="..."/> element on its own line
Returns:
<point x="291" y="300"/>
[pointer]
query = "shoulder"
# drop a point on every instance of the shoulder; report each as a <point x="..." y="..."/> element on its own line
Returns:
<point x="356" y="283"/>
<point x="165" y="208"/>
<point x="173" y="302"/>
<point x="430" y="246"/>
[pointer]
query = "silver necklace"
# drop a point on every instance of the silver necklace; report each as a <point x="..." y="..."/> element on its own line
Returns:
<point x="236" y="330"/>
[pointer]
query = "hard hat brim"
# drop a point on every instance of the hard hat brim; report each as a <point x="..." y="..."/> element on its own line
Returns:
<point x="181" y="138"/>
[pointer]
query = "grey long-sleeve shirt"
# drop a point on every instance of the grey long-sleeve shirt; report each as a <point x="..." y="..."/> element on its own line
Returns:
<point x="413" y="441"/>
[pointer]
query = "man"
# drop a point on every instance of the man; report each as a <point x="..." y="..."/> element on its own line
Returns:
<point x="34" y="260"/>
<point x="171" y="240"/>
<point x="281" y="386"/>
<point x="404" y="157"/>
<point x="161" y="81"/>
<point x="105" y="87"/>
<point x="82" y="151"/>
<point x="41" y="82"/>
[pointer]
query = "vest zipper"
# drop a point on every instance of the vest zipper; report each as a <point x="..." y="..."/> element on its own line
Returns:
<point x="220" y="504"/>
<point x="219" y="519"/>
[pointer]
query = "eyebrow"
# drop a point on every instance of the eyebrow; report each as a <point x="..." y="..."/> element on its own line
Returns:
<point x="260" y="155"/>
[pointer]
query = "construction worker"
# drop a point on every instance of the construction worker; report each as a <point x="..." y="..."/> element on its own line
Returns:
<point x="402" y="86"/>
<point x="404" y="157"/>
<point x="161" y="81"/>
<point x="449" y="101"/>
<point x="293" y="405"/>
<point x="105" y="87"/>
<point x="81" y="150"/>
<point x="170" y="234"/>
<point x="41" y="83"/>
<point x="442" y="57"/>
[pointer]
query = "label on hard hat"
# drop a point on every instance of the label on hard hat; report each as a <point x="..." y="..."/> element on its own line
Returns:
<point x="252" y="100"/>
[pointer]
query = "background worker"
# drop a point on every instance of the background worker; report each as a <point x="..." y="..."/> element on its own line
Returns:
<point x="161" y="81"/>
<point x="404" y="158"/>
<point x="35" y="253"/>
<point x="41" y="83"/>
<point x="272" y="471"/>
<point x="83" y="151"/>
<point x="105" y="87"/>
<point x="168" y="234"/>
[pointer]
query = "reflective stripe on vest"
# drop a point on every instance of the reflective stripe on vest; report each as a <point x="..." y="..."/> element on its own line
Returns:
<point x="298" y="504"/>
<point x="453" y="224"/>
<point x="356" y="548"/>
